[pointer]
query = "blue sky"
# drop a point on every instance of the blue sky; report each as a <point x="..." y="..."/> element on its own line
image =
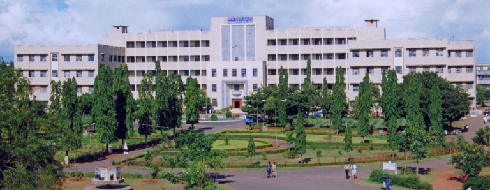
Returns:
<point x="47" y="22"/>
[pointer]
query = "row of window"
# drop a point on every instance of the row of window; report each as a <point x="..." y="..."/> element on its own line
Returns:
<point x="308" y="41"/>
<point x="54" y="73"/>
<point x="236" y="87"/>
<point x="412" y="52"/>
<point x="44" y="89"/>
<point x="153" y="44"/>
<point x="295" y="57"/>
<point x="234" y="72"/>
<point x="54" y="57"/>
<point x="370" y="53"/>
<point x="370" y="70"/>
<point x="132" y="59"/>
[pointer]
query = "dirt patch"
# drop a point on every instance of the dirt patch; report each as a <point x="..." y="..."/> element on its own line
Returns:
<point x="149" y="181"/>
<point x="447" y="180"/>
<point x="83" y="179"/>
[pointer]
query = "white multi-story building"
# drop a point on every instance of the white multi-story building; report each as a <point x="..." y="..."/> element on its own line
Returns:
<point x="241" y="53"/>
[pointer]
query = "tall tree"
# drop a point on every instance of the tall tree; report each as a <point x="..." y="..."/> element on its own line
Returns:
<point x="145" y="98"/>
<point x="160" y="106"/>
<point x="174" y="109"/>
<point x="103" y="109"/>
<point x="364" y="106"/>
<point x="390" y="102"/>
<point x="251" y="148"/>
<point x="191" y="102"/>
<point x="72" y="119"/>
<point x="54" y="113"/>
<point x="124" y="103"/>
<point x="339" y="101"/>
<point x="435" y="114"/>
<point x="282" y="95"/>
<point x="300" y="139"/>
<point x="481" y="93"/>
<point x="348" y="139"/>
<point x="326" y="100"/>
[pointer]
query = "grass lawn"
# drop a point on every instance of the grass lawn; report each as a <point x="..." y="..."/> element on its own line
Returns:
<point x="233" y="143"/>
<point x="314" y="138"/>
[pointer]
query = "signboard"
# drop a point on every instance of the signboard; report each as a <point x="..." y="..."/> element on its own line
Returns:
<point x="237" y="20"/>
<point x="390" y="166"/>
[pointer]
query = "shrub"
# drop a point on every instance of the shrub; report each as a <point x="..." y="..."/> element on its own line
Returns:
<point x="90" y="174"/>
<point x="318" y="153"/>
<point x="264" y="155"/>
<point x="408" y="181"/>
<point x="477" y="183"/>
<point x="340" y="152"/>
<point x="228" y="114"/>
<point x="227" y="141"/>
<point x="290" y="154"/>
<point x="80" y="174"/>
<point x="214" y="117"/>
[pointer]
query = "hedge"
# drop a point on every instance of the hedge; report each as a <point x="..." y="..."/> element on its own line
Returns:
<point x="408" y="181"/>
<point x="477" y="183"/>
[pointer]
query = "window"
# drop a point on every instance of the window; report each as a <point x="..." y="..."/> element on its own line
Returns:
<point x="384" y="53"/>
<point x="197" y="72"/>
<point x="110" y="58"/>
<point x="43" y="57"/>
<point x="458" y="69"/>
<point x="233" y="73"/>
<point x="318" y="56"/>
<point x="244" y="72"/>
<point x="384" y="69"/>
<point x="318" y="71"/>
<point x="197" y="58"/>
<point x="426" y="68"/>
<point x="91" y="89"/>
<point x="306" y="41"/>
<point x="355" y="53"/>
<point x="449" y="69"/>
<point x="79" y="73"/>
<point x="469" y="69"/>
<point x="79" y="57"/>
<point x="54" y="73"/>
<point x="398" y="52"/>
<point x="255" y="87"/>
<point x="225" y="72"/>
<point x="44" y="89"/>
<point x="203" y="73"/>
<point x="213" y="87"/>
<point x="91" y="73"/>
<point x="295" y="71"/>
<point x="341" y="56"/>
<point x="236" y="87"/>
<point x="355" y="71"/>
<point x="469" y="53"/>
<point x="283" y="57"/>
<point x="369" y="70"/>
<point x="294" y="57"/>
<point x="469" y="85"/>
<point x="21" y="73"/>
<point x="458" y="53"/>
<point x="164" y="44"/>
<point x="20" y="57"/>
<point x="425" y="52"/>
<point x="255" y="72"/>
<point x="295" y="41"/>
<point x="355" y="87"/>
<point x="79" y="89"/>
<point x="369" y="53"/>
<point x="67" y="74"/>
<point x="271" y="42"/>
<point x="186" y="73"/>
<point x="283" y="42"/>
<point x="272" y="72"/>
<point x="412" y="52"/>
<point x="412" y="69"/>
<point x="102" y="56"/>
<point x="43" y="73"/>
<point x="439" y="69"/>
<point x="32" y="74"/>
<point x="329" y="55"/>
<point x="214" y="102"/>
<point x="142" y="44"/>
<point x="91" y="57"/>
<point x="206" y="57"/>
<point x="186" y="58"/>
<point x="213" y="72"/>
<point x="31" y="57"/>
<point x="54" y="57"/>
<point x="439" y="52"/>
<point x="398" y="69"/>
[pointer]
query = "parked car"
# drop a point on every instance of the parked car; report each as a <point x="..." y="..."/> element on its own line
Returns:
<point x="252" y="118"/>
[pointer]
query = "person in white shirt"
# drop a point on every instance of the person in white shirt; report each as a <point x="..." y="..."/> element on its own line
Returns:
<point x="346" y="168"/>
<point x="354" y="170"/>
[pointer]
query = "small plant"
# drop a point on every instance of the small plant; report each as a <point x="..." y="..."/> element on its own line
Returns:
<point x="228" y="114"/>
<point x="214" y="117"/>
<point x="318" y="153"/>
<point x="340" y="152"/>
<point x="290" y="154"/>
<point x="289" y="137"/>
<point x="227" y="141"/>
<point x="337" y="147"/>
<point x="328" y="137"/>
<point x="264" y="155"/>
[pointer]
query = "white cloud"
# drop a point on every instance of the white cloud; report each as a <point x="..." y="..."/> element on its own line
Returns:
<point x="84" y="21"/>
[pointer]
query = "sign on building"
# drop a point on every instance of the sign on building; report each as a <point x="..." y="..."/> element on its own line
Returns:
<point x="237" y="20"/>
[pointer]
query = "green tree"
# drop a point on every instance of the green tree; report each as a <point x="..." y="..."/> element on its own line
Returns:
<point x="174" y="109"/>
<point x="161" y="101"/>
<point x="282" y="95"/>
<point x="326" y="100"/>
<point x="86" y="101"/>
<point x="103" y="109"/>
<point x="481" y="93"/>
<point x="251" y="147"/>
<point x="470" y="159"/>
<point x="364" y="106"/>
<point x="390" y="103"/>
<point x="348" y="139"/>
<point x="72" y="119"/>
<point x="191" y="102"/>
<point x="435" y="114"/>
<point x="339" y="101"/>
<point x="145" y="99"/>
<point x="300" y="139"/>
<point x="482" y="136"/>
<point x="124" y="104"/>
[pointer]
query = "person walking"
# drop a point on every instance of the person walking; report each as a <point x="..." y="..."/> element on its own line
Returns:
<point x="354" y="171"/>
<point x="269" y="170"/>
<point x="346" y="168"/>
<point x="388" y="181"/>
<point x="273" y="169"/>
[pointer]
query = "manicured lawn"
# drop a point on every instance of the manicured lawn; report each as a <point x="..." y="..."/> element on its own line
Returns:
<point x="314" y="138"/>
<point x="233" y="143"/>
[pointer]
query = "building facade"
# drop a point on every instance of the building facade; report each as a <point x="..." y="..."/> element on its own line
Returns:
<point x="241" y="53"/>
<point x="483" y="75"/>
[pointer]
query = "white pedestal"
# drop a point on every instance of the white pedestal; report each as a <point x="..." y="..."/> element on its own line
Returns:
<point x="67" y="160"/>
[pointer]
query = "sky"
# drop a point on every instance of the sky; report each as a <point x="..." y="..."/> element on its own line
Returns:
<point x="46" y="22"/>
